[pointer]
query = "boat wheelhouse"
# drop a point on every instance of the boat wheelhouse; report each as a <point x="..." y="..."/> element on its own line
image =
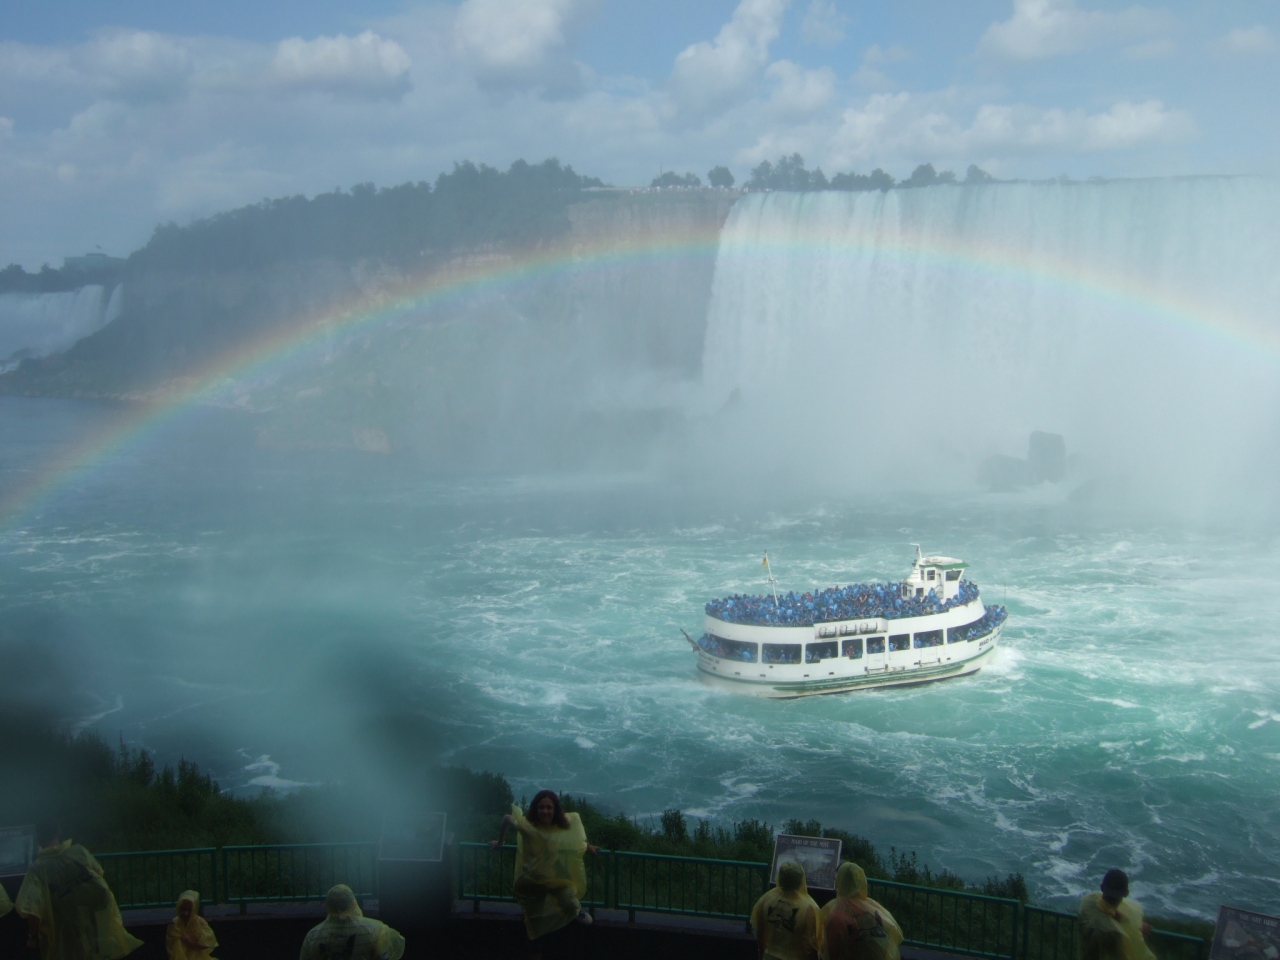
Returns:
<point x="930" y="626"/>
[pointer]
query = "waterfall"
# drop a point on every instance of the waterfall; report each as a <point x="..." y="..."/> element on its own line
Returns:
<point x="41" y="324"/>
<point x="920" y="330"/>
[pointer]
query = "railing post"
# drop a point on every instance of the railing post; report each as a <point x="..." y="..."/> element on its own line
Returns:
<point x="1013" y="945"/>
<point x="213" y="870"/>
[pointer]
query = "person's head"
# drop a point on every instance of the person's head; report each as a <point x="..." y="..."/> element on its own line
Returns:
<point x="790" y="877"/>
<point x="545" y="810"/>
<point x="48" y="831"/>
<point x="851" y="880"/>
<point x="340" y="901"/>
<point x="1115" y="886"/>
<point x="188" y="903"/>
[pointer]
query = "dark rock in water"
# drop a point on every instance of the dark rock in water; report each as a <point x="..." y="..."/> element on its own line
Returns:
<point x="1048" y="456"/>
<point x="1046" y="460"/>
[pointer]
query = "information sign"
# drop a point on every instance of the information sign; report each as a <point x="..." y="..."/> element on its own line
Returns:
<point x="820" y="857"/>
<point x="1242" y="935"/>
<point x="17" y="846"/>
<point x="418" y="838"/>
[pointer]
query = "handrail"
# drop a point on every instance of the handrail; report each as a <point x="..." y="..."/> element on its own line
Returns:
<point x="992" y="928"/>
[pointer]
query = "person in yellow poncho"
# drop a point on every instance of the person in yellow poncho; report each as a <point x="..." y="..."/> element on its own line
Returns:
<point x="551" y="878"/>
<point x="346" y="932"/>
<point x="1111" y="927"/>
<point x="189" y="936"/>
<point x="5" y="903"/>
<point x="854" y="926"/>
<point x="70" y="911"/>
<point x="786" y="919"/>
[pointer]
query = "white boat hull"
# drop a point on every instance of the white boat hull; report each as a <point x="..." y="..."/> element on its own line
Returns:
<point x="839" y="675"/>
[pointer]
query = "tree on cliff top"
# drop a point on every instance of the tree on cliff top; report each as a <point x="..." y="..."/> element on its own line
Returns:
<point x="720" y="177"/>
<point x="670" y="178"/>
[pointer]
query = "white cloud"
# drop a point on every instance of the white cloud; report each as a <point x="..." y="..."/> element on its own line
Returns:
<point x="823" y="24"/>
<point x="711" y="73"/>
<point x="1249" y="42"/>
<point x="6" y="127"/>
<point x="367" y="65"/>
<point x="513" y="43"/>
<point x="902" y="125"/>
<point x="1040" y="29"/>
<point x="798" y="91"/>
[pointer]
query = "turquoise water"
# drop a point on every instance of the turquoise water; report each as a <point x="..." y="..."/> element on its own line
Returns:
<point x="269" y="613"/>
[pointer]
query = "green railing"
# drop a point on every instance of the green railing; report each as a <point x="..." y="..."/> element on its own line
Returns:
<point x="156" y="878"/>
<point x="966" y="923"/>
<point x="303" y="871"/>
<point x="686" y="885"/>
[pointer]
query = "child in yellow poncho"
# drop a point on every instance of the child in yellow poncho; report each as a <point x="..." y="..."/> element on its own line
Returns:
<point x="854" y="926"/>
<point x="551" y="878"/>
<point x="189" y="936"/>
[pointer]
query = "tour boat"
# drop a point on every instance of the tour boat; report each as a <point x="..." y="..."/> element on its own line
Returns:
<point x="930" y="626"/>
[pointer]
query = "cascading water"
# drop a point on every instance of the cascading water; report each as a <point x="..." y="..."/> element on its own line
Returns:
<point x="928" y="328"/>
<point x="40" y="324"/>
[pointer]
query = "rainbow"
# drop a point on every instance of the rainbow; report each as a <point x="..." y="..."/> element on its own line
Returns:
<point x="290" y="344"/>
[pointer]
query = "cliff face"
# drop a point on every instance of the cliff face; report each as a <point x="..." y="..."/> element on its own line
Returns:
<point x="560" y="331"/>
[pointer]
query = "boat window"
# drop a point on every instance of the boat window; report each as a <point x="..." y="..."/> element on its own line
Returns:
<point x="781" y="653"/>
<point x="817" y="652"/>
<point x="729" y="649"/>
<point x="953" y="574"/>
<point x="919" y="591"/>
<point x="875" y="644"/>
<point x="931" y="575"/>
<point x="853" y="648"/>
<point x="929" y="638"/>
<point x="970" y="631"/>
<point x="900" y="641"/>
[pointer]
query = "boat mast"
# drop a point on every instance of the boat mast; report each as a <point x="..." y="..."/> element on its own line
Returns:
<point x="772" y="582"/>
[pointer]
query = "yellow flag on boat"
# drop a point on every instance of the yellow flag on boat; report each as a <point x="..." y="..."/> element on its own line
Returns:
<point x="764" y="564"/>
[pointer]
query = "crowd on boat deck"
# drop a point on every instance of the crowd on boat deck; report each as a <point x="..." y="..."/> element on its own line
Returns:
<point x="858" y="601"/>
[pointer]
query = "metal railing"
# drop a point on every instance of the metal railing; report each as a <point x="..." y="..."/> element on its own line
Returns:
<point x="686" y="885"/>
<point x="968" y="923"/>
<point x="988" y="927"/>
<point x="301" y="871"/>
<point x="243" y="875"/>
<point x="156" y="878"/>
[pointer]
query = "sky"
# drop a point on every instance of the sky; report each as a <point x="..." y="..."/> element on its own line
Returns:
<point x="117" y="117"/>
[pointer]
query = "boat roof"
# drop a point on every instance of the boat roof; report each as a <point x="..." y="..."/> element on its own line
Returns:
<point x="947" y="563"/>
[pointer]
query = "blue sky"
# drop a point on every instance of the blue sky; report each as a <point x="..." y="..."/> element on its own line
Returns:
<point x="115" y="117"/>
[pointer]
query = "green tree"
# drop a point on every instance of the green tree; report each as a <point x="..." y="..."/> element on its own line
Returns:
<point x="720" y="177"/>
<point x="976" y="174"/>
<point x="673" y="179"/>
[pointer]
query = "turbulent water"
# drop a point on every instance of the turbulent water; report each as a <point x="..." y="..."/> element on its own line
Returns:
<point x="283" y="616"/>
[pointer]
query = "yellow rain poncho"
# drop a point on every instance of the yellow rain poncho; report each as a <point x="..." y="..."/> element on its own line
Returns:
<point x="78" y="914"/>
<point x="346" y="932"/>
<point x="5" y="903"/>
<point x="551" y="878"/>
<point x="786" y="919"/>
<point x="1112" y="932"/>
<point x="854" y="926"/>
<point x="192" y="940"/>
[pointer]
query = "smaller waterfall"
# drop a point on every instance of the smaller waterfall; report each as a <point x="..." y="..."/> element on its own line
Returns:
<point x="42" y="324"/>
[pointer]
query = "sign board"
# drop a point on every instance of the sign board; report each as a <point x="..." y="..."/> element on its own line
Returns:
<point x="419" y="838"/>
<point x="1241" y="935"/>
<point x="17" y="847"/>
<point x="820" y="857"/>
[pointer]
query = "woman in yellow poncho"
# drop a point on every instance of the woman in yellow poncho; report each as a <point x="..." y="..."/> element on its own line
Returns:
<point x="70" y="911"/>
<point x="1111" y="927"/>
<point x="551" y="879"/>
<point x="854" y="926"/>
<point x="785" y="919"/>
<point x="189" y="936"/>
